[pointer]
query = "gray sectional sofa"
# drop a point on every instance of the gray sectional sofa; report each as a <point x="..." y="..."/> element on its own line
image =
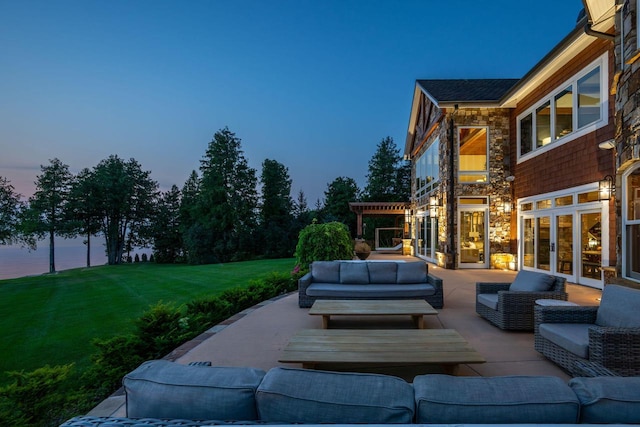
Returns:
<point x="162" y="393"/>
<point x="369" y="280"/>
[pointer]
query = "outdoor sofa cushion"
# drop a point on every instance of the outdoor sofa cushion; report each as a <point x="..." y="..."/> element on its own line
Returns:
<point x="354" y="273"/>
<point x="531" y="281"/>
<point x="619" y="307"/>
<point x="608" y="400"/>
<point x="412" y="272"/>
<point x="325" y="271"/>
<point x="337" y="290"/>
<point x="382" y="272"/>
<point x="163" y="389"/>
<point x="445" y="399"/>
<point x="489" y="300"/>
<point x="315" y="397"/>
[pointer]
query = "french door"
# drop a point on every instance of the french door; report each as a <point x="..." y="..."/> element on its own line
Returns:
<point x="473" y="249"/>
<point x="427" y="234"/>
<point x="564" y="243"/>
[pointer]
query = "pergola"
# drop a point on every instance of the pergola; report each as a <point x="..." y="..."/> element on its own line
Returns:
<point x="376" y="209"/>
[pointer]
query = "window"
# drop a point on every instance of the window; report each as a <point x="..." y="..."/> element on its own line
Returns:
<point x="631" y="228"/>
<point x="473" y="157"/>
<point x="573" y="109"/>
<point x="428" y="170"/>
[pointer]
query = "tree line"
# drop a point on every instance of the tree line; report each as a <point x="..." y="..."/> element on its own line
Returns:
<point x="223" y="212"/>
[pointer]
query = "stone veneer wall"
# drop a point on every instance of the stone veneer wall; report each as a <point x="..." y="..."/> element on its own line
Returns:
<point x="627" y="107"/>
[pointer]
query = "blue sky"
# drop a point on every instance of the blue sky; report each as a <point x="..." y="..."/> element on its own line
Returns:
<point x="314" y="85"/>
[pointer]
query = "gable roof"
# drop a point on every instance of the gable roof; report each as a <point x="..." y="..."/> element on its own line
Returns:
<point x="466" y="90"/>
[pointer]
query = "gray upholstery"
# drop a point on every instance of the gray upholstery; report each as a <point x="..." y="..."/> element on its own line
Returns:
<point x="619" y="307"/>
<point x="305" y="396"/>
<point x="325" y="271"/>
<point x="412" y="272"/>
<point x="573" y="337"/>
<point x="369" y="280"/>
<point x="164" y="389"/>
<point x="354" y="273"/>
<point x="371" y="291"/>
<point x="608" y="399"/>
<point x="489" y="300"/>
<point x="382" y="272"/>
<point x="487" y="400"/>
<point x="531" y="281"/>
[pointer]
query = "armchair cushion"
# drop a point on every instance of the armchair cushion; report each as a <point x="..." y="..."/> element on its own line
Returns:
<point x="354" y="273"/>
<point x="608" y="400"/>
<point x="412" y="272"/>
<point x="619" y="307"/>
<point x="573" y="337"/>
<point x="325" y="271"/>
<point x="532" y="281"/>
<point x="489" y="300"/>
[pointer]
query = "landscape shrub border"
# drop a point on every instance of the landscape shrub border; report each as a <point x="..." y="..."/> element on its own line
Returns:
<point x="48" y="396"/>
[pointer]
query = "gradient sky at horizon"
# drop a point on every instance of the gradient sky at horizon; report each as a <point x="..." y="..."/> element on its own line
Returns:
<point x="315" y="85"/>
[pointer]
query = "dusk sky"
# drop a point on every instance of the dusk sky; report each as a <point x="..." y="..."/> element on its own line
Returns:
<point x="314" y="85"/>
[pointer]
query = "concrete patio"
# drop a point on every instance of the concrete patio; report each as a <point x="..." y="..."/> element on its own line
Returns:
<point x="257" y="336"/>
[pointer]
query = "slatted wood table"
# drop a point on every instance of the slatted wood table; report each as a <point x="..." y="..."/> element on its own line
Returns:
<point x="417" y="309"/>
<point x="442" y="347"/>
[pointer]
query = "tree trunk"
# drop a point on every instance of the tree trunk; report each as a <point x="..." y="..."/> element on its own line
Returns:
<point x="52" y="261"/>
<point x="88" y="249"/>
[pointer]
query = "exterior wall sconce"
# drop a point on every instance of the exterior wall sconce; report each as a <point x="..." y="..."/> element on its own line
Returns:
<point x="506" y="207"/>
<point x="434" y="204"/>
<point x="606" y="188"/>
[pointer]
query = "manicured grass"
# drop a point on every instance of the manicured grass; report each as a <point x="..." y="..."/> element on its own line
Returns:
<point x="52" y="319"/>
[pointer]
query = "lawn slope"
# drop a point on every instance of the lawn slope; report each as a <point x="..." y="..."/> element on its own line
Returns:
<point x="51" y="319"/>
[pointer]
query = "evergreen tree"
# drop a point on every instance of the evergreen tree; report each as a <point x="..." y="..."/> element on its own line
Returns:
<point x="81" y="210"/>
<point x="337" y="197"/>
<point x="10" y="208"/>
<point x="389" y="177"/>
<point x="225" y="215"/>
<point x="47" y="208"/>
<point x="167" y="230"/>
<point x="279" y="239"/>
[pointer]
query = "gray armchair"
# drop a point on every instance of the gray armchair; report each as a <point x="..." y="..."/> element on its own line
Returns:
<point x="607" y="336"/>
<point x="509" y="306"/>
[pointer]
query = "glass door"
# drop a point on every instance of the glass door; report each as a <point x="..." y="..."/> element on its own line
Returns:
<point x="473" y="238"/>
<point x="548" y="243"/>
<point x="426" y="236"/>
<point x="590" y="246"/>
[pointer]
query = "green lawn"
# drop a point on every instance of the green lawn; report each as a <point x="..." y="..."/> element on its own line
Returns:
<point x="51" y="319"/>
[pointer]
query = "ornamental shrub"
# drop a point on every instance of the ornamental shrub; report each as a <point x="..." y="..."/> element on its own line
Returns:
<point x="324" y="242"/>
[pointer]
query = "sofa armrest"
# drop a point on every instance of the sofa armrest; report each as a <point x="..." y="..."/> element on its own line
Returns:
<point x="435" y="281"/>
<point x="304" y="282"/>
<point x="615" y="348"/>
<point x="563" y="314"/>
<point x="491" y="287"/>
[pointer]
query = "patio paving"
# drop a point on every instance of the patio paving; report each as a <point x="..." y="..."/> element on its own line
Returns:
<point x="257" y="336"/>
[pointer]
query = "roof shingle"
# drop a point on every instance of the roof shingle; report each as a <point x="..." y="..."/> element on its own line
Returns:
<point x="467" y="90"/>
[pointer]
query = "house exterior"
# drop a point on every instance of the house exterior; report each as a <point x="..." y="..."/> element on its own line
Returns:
<point x="507" y="173"/>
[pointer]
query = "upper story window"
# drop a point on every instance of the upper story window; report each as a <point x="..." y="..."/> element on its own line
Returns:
<point x="473" y="157"/>
<point x="573" y="109"/>
<point x="428" y="170"/>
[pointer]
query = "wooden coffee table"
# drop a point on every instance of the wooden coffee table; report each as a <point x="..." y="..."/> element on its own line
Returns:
<point x="417" y="309"/>
<point x="441" y="347"/>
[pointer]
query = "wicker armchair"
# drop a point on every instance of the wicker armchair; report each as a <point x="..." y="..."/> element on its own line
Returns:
<point x="511" y="309"/>
<point x="607" y="336"/>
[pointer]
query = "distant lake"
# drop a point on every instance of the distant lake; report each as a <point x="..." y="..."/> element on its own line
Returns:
<point x="69" y="253"/>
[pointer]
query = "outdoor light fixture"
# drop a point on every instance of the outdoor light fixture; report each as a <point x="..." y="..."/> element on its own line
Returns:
<point x="434" y="204"/>
<point x="607" y="145"/>
<point x="506" y="207"/>
<point x="606" y="188"/>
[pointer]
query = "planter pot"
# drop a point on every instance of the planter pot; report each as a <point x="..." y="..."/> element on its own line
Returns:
<point x="362" y="255"/>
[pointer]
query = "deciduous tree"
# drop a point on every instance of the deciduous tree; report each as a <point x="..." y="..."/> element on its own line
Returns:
<point x="82" y="209"/>
<point x="10" y="207"/>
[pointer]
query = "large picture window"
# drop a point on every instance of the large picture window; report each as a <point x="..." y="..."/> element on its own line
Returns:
<point x="632" y="225"/>
<point x="473" y="154"/>
<point x="567" y="112"/>
<point x="428" y="170"/>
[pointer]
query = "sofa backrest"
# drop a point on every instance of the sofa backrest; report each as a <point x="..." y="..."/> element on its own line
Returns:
<point x="619" y="307"/>
<point x="364" y="272"/>
<point x="163" y="389"/>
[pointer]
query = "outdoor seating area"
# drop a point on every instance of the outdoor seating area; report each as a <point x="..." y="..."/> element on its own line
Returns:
<point x="257" y="340"/>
